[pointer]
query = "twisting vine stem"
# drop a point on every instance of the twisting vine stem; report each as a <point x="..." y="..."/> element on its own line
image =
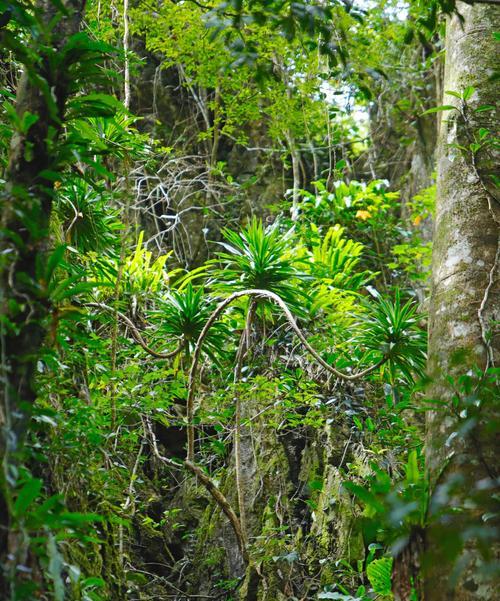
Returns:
<point x="291" y="320"/>
<point x="243" y="349"/>
<point x="238" y="524"/>
<point x="211" y="487"/>
<point x="136" y="334"/>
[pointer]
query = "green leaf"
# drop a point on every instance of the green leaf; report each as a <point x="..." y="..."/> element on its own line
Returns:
<point x="54" y="261"/>
<point x="92" y="581"/>
<point x="77" y="519"/>
<point x="10" y="109"/>
<point x="316" y="484"/>
<point x="485" y="107"/>
<point x="51" y="176"/>
<point x="27" y="121"/>
<point x="437" y="109"/>
<point x="338" y="596"/>
<point x="80" y="288"/>
<point x="28" y="493"/>
<point x="364" y="495"/>
<point x="468" y="92"/>
<point x="412" y="471"/>
<point x="94" y="105"/>
<point x="379" y="574"/>
<point x="56" y="564"/>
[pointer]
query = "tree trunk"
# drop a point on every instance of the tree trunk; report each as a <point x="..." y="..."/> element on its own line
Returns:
<point x="465" y="299"/>
<point x="26" y="209"/>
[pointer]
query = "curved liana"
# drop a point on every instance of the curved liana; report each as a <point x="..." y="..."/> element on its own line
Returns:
<point x="291" y="320"/>
<point x="137" y="335"/>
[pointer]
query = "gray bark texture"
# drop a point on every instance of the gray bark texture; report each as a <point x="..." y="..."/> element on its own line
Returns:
<point x="465" y="296"/>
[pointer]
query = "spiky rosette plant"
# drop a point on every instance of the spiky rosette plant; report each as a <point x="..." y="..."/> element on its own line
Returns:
<point x="391" y="328"/>
<point x="261" y="258"/>
<point x="85" y="220"/>
<point x="182" y="314"/>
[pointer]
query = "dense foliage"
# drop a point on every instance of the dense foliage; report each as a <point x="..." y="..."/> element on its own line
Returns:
<point x="215" y="256"/>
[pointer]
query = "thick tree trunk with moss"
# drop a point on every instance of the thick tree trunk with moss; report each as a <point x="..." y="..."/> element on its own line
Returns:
<point x="26" y="207"/>
<point x="465" y="299"/>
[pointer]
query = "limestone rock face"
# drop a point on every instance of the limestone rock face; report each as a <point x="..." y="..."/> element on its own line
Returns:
<point x="300" y="522"/>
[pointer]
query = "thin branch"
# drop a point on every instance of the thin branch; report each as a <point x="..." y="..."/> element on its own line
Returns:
<point x="129" y="499"/>
<point x="137" y="335"/>
<point x="490" y="358"/>
<point x="223" y="503"/>
<point x="126" y="40"/>
<point x="211" y="487"/>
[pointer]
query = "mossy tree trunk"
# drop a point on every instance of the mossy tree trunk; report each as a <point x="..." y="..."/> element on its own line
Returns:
<point x="465" y="299"/>
<point x="26" y="206"/>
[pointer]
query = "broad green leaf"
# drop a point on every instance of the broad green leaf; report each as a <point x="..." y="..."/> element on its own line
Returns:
<point x="28" y="493"/>
<point x="379" y="574"/>
<point x="54" y="261"/>
<point x="485" y="107"/>
<point x="468" y="92"/>
<point x="364" y="495"/>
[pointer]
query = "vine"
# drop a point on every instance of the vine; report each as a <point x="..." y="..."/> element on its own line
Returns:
<point x="291" y="320"/>
<point x="470" y="153"/>
<point x="137" y="335"/>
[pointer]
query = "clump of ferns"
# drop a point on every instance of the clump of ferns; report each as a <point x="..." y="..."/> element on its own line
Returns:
<point x="335" y="285"/>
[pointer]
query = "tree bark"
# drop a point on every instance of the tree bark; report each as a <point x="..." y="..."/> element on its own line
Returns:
<point x="465" y="296"/>
<point x="26" y="209"/>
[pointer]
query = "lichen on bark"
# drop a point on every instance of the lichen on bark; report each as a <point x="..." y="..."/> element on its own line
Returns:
<point x="465" y="261"/>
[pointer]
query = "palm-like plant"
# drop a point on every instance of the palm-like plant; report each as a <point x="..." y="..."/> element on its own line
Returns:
<point x="183" y="314"/>
<point x="392" y="329"/>
<point x="258" y="257"/>
<point x="86" y="222"/>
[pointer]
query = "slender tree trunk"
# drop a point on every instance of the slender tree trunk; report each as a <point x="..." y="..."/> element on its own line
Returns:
<point x="465" y="298"/>
<point x="126" y="44"/>
<point x="295" y="156"/>
<point x="26" y="208"/>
